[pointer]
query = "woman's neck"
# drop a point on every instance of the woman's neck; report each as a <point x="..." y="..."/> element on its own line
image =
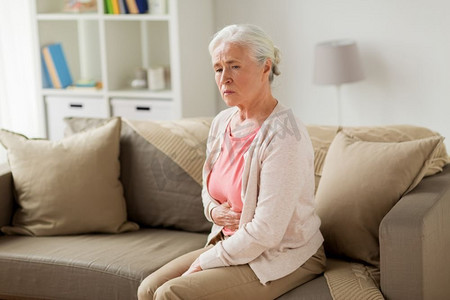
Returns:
<point x="247" y="119"/>
<point x="258" y="111"/>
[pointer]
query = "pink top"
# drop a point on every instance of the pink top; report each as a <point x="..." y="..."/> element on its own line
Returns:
<point x="225" y="179"/>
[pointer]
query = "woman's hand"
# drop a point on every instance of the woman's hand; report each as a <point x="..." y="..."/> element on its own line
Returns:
<point x="195" y="267"/>
<point x="223" y="216"/>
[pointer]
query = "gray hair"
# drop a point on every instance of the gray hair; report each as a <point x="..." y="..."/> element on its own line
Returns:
<point x="254" y="38"/>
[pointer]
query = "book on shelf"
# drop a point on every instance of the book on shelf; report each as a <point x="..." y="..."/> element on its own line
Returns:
<point x="132" y="7"/>
<point x="86" y="85"/>
<point x="56" y="66"/>
<point x="142" y="6"/>
<point x="156" y="7"/>
<point x="108" y="6"/>
<point x="115" y="7"/>
<point x="46" y="81"/>
<point x="123" y="7"/>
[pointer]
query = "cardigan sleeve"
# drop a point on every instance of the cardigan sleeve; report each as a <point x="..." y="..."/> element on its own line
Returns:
<point x="285" y="162"/>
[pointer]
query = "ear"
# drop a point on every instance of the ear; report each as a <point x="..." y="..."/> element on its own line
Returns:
<point x="267" y="68"/>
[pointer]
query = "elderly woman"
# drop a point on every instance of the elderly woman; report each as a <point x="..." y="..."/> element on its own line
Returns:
<point x="258" y="187"/>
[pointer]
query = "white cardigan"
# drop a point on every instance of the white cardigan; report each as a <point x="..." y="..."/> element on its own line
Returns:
<point x="279" y="229"/>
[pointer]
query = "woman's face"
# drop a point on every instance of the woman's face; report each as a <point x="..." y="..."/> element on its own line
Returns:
<point x="240" y="79"/>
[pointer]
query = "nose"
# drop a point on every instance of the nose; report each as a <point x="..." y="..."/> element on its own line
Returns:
<point x="225" y="77"/>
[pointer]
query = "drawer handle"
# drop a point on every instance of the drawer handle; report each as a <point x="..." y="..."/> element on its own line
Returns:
<point x="147" y="108"/>
<point x="76" y="105"/>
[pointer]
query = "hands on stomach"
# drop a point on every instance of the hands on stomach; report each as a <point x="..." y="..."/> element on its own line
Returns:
<point x="224" y="216"/>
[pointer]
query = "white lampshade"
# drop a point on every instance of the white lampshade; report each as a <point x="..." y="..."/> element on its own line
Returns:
<point x="337" y="62"/>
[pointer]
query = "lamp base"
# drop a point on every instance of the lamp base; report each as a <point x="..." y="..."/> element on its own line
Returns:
<point x="338" y="105"/>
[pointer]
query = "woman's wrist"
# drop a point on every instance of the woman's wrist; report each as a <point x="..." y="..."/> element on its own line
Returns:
<point x="211" y="214"/>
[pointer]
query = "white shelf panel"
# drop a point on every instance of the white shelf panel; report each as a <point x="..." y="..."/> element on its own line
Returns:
<point x="146" y="94"/>
<point x="70" y="92"/>
<point x="135" y="17"/>
<point x="67" y="16"/>
<point x="96" y="16"/>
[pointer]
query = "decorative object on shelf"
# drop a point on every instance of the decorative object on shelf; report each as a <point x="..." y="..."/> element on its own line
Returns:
<point x="140" y="79"/>
<point x="156" y="78"/>
<point x="337" y="62"/>
<point x="157" y="7"/>
<point x="80" y="6"/>
<point x="56" y="71"/>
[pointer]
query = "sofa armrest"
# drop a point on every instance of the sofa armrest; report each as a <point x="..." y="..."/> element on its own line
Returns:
<point x="415" y="240"/>
<point x="6" y="195"/>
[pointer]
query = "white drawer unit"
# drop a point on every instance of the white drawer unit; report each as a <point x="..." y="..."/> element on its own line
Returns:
<point x="60" y="107"/>
<point x="133" y="109"/>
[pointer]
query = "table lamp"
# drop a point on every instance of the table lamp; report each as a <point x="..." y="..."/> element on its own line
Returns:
<point x="336" y="63"/>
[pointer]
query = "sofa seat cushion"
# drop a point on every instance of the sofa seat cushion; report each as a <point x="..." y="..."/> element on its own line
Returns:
<point x="316" y="289"/>
<point x="94" y="266"/>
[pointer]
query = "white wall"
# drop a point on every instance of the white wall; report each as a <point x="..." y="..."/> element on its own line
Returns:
<point x="404" y="46"/>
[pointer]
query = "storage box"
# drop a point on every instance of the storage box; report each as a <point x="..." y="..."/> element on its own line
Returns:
<point x="60" y="107"/>
<point x="142" y="109"/>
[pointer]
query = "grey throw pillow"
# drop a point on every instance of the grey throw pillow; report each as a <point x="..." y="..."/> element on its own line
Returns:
<point x="161" y="165"/>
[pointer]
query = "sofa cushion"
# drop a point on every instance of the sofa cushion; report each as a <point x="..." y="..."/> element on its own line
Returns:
<point x="322" y="137"/>
<point x="351" y="280"/>
<point x="361" y="181"/>
<point x="90" y="266"/>
<point x="67" y="187"/>
<point x="403" y="133"/>
<point x="316" y="289"/>
<point x="161" y="167"/>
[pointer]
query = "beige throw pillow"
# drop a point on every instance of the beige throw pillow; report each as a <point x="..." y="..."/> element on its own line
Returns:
<point x="361" y="181"/>
<point x="67" y="187"/>
<point x="403" y="133"/>
<point x="322" y="136"/>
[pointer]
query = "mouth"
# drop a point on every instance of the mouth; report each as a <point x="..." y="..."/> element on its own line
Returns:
<point x="227" y="92"/>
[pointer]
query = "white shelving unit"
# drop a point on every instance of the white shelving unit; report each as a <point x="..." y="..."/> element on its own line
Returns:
<point x="108" y="48"/>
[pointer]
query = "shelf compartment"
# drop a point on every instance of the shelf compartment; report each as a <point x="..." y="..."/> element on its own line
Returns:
<point x="49" y="6"/>
<point x="53" y="6"/>
<point x="80" y="42"/>
<point x="134" y="44"/>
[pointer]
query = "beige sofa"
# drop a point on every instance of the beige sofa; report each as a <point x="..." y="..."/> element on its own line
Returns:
<point x="162" y="194"/>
